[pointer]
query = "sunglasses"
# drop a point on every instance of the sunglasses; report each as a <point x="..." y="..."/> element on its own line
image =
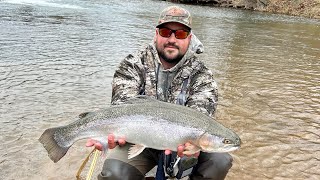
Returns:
<point x="179" y="34"/>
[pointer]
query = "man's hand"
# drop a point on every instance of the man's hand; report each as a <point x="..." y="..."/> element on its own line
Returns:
<point x="112" y="143"/>
<point x="181" y="149"/>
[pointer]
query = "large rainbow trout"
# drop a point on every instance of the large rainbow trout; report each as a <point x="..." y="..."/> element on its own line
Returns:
<point x="147" y="123"/>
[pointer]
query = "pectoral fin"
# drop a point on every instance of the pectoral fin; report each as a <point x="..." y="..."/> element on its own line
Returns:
<point x="135" y="150"/>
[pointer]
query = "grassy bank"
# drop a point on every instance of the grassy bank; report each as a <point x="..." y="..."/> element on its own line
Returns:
<point x="305" y="8"/>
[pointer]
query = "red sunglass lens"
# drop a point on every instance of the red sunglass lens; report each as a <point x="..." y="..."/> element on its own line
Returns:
<point x="181" y="34"/>
<point x="164" y="32"/>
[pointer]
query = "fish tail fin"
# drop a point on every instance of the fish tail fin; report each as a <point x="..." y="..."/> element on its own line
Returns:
<point x="55" y="151"/>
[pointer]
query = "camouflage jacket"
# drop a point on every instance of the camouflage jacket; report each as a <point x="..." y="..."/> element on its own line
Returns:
<point x="188" y="83"/>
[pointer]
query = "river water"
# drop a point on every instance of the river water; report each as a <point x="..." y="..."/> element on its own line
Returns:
<point x="57" y="59"/>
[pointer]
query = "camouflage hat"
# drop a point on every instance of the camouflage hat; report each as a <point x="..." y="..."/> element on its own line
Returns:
<point x="175" y="14"/>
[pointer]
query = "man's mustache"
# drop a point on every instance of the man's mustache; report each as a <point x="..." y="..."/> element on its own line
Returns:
<point x="172" y="45"/>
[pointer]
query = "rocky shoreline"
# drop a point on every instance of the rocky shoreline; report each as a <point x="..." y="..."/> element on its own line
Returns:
<point x="305" y="8"/>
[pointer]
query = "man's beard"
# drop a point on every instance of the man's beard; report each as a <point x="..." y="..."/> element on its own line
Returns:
<point x="166" y="58"/>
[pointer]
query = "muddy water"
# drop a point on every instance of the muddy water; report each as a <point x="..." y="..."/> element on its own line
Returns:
<point x="57" y="59"/>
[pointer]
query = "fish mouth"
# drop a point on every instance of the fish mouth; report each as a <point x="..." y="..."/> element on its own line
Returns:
<point x="227" y="149"/>
<point x="222" y="149"/>
<point x="233" y="148"/>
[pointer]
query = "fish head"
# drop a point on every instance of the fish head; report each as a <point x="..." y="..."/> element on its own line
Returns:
<point x="214" y="143"/>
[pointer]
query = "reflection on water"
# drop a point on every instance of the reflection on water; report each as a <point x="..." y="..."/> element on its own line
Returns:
<point x="58" y="57"/>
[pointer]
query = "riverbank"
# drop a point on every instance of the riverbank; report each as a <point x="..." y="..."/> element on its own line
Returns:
<point x="305" y="8"/>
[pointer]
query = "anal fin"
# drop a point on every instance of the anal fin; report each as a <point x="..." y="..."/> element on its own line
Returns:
<point x="135" y="150"/>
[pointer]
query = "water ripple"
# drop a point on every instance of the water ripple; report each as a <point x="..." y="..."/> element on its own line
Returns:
<point x="58" y="59"/>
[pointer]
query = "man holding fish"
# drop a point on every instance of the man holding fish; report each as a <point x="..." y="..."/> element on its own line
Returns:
<point x="163" y="101"/>
<point x="169" y="71"/>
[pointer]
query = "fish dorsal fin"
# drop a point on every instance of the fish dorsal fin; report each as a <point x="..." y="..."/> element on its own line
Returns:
<point x="135" y="150"/>
<point x="82" y="115"/>
<point x="139" y="99"/>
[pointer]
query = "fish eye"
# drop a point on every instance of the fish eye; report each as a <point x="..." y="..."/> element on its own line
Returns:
<point x="227" y="141"/>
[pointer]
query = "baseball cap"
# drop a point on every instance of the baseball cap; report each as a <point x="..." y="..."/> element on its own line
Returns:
<point x="175" y="14"/>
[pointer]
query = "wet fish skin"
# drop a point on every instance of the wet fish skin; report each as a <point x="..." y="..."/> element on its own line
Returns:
<point x="146" y="122"/>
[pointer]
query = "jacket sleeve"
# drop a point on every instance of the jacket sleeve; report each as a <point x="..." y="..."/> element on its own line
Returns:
<point x="203" y="93"/>
<point x="127" y="79"/>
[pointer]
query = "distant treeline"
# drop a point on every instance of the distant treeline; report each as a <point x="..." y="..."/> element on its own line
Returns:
<point x="306" y="8"/>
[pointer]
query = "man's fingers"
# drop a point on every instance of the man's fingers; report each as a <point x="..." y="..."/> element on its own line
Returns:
<point x="197" y="154"/>
<point x="188" y="150"/>
<point x="98" y="146"/>
<point x="111" y="142"/>
<point x="167" y="152"/>
<point x="180" y="150"/>
<point x="90" y="143"/>
<point x="193" y="155"/>
<point x="121" y="141"/>
<point x="110" y="138"/>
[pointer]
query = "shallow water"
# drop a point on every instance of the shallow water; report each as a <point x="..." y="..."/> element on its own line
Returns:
<point x="58" y="57"/>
